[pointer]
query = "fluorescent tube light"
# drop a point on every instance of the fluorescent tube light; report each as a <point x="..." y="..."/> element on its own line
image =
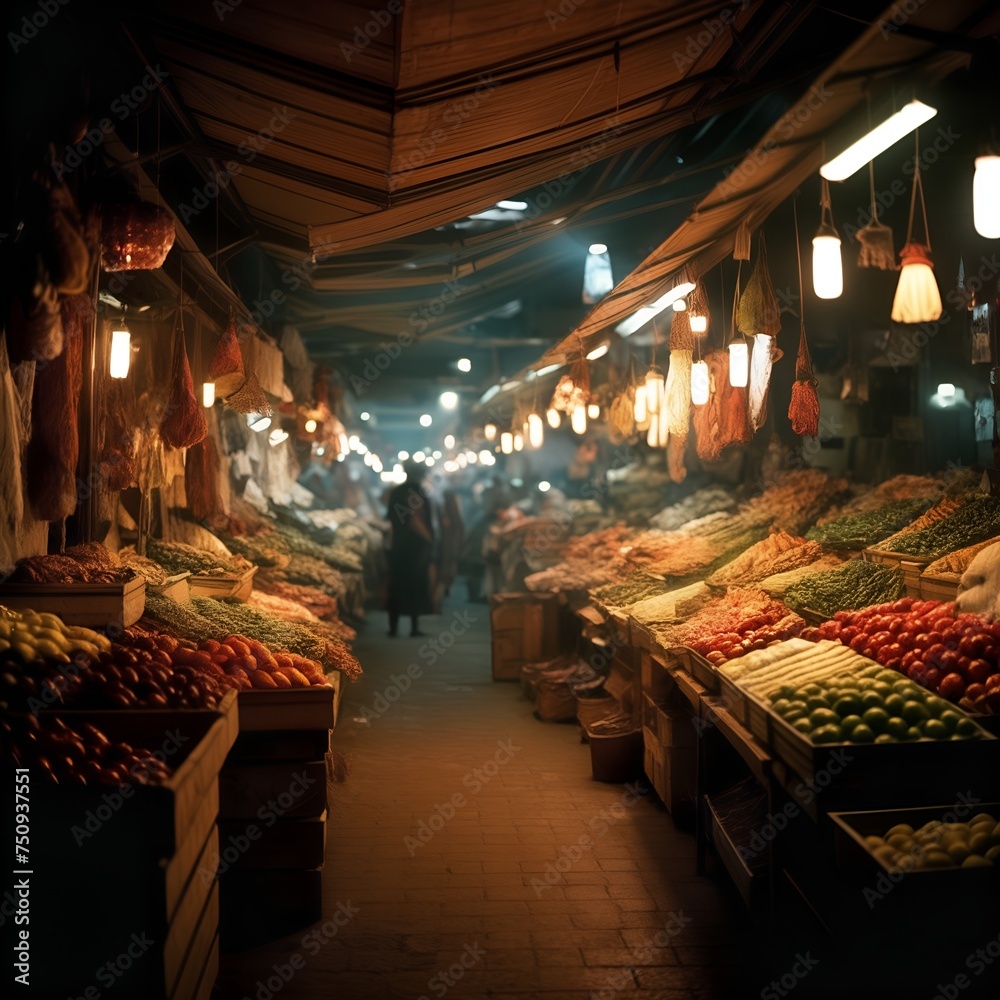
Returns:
<point x="644" y="314"/>
<point x="879" y="139"/>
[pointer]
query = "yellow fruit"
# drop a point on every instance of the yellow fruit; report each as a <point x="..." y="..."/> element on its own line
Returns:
<point x="993" y="853"/>
<point x="904" y="828"/>
<point x="975" y="861"/>
<point x="901" y="841"/>
<point x="937" y="859"/>
<point x="24" y="650"/>
<point x="982" y="818"/>
<point x="980" y="843"/>
<point x="874" y="842"/>
<point x="4" y="645"/>
<point x="958" y="852"/>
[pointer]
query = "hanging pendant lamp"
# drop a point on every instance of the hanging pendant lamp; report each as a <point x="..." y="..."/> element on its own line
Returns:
<point x="986" y="197"/>
<point x="828" y="265"/>
<point x="918" y="298"/>
<point x="699" y="383"/>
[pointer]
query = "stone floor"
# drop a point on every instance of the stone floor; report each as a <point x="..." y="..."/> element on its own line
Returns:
<point x="471" y="853"/>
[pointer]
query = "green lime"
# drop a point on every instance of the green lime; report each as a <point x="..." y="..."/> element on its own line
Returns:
<point x="935" y="729"/>
<point x="850" y="721"/>
<point x="888" y="676"/>
<point x="809" y="690"/>
<point x="951" y="720"/>
<point x="782" y="705"/>
<point x="866" y="684"/>
<point x="883" y="688"/>
<point x="871" y="699"/>
<point x="966" y="728"/>
<point x="936" y="705"/>
<point x="862" y="734"/>
<point x="826" y="734"/>
<point x="905" y="688"/>
<point x="847" y="706"/>
<point x="885" y="738"/>
<point x="913" y="733"/>
<point x="803" y="725"/>
<point x="897" y="727"/>
<point x="785" y="691"/>
<point x="877" y="719"/>
<point x="815" y="701"/>
<point x="824" y="717"/>
<point x="894" y="704"/>
<point x="915" y="713"/>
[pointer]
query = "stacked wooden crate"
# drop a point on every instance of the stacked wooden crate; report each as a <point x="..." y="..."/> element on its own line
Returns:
<point x="124" y="890"/>
<point x="273" y="812"/>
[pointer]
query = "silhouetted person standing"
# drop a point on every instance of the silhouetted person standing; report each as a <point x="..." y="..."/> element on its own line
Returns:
<point x="411" y="550"/>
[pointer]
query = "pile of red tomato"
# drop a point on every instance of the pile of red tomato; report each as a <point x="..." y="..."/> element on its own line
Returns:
<point x="956" y="655"/>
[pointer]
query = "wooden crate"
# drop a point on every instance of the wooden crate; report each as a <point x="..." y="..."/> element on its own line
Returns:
<point x="200" y="968"/>
<point x="910" y="566"/>
<point x="285" y="843"/>
<point x="942" y="587"/>
<point x="239" y="587"/>
<point x="675" y="727"/>
<point x="696" y="665"/>
<point x="176" y="588"/>
<point x="292" y="789"/>
<point x="281" y="744"/>
<point x="751" y="885"/>
<point x="102" y="606"/>
<point x="163" y="843"/>
<point x="288" y="708"/>
<point x="655" y="679"/>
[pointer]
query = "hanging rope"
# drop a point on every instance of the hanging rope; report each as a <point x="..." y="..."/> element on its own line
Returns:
<point x="918" y="186"/>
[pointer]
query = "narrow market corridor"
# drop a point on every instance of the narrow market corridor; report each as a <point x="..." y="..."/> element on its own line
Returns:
<point x="458" y="805"/>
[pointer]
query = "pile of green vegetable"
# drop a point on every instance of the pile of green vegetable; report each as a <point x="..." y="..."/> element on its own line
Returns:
<point x="858" y="531"/>
<point x="176" y="618"/>
<point x="972" y="523"/>
<point x="177" y="557"/>
<point x="856" y="584"/>
<point x="636" y="587"/>
<point x="237" y="618"/>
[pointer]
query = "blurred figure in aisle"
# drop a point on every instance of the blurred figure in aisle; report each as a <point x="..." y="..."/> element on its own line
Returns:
<point x="452" y="536"/>
<point x="411" y="550"/>
<point x="492" y="497"/>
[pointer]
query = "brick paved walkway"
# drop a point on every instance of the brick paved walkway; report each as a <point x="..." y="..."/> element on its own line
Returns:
<point x="458" y="805"/>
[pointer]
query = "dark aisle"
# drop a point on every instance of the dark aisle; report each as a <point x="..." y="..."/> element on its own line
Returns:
<point x="458" y="804"/>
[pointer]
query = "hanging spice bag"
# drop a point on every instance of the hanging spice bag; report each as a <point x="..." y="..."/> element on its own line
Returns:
<point x="681" y="337"/>
<point x="803" y="410"/>
<point x="226" y="368"/>
<point x="117" y="455"/>
<point x="184" y="424"/>
<point x="758" y="311"/>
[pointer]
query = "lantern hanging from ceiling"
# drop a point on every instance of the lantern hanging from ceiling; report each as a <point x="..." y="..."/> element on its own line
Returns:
<point x="986" y="197"/>
<point x="828" y="265"/>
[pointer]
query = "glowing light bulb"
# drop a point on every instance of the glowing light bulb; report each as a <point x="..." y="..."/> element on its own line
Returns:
<point x="121" y="353"/>
<point x="699" y="383"/>
<point x="536" y="430"/>
<point x="208" y="394"/>
<point x="553" y="418"/>
<point x="578" y="421"/>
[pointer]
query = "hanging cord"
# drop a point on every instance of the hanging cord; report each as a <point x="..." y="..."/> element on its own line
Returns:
<point x="722" y="293"/>
<point x="736" y="301"/>
<point x="826" y="205"/>
<point x="918" y="185"/>
<point x="656" y="336"/>
<point x="798" y="260"/>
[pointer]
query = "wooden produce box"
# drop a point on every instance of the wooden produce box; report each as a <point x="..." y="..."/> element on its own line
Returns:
<point x="141" y="863"/>
<point x="176" y="588"/>
<point x="280" y="844"/>
<point x="910" y="566"/>
<point x="943" y="587"/>
<point x="671" y="771"/>
<point x="525" y="628"/>
<point x="240" y="587"/>
<point x="696" y="665"/>
<point x="751" y="883"/>
<point x="675" y="728"/>
<point x="103" y="606"/>
<point x="655" y="680"/>
<point x="296" y="745"/>
<point x="871" y="772"/>
<point x="288" y="708"/>
<point x="262" y="789"/>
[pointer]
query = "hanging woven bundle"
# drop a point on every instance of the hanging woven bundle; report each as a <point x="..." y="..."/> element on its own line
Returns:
<point x="700" y="315"/>
<point x="681" y="337"/>
<point x="876" y="248"/>
<point x="573" y="389"/>
<point x="621" y="416"/>
<point x="803" y="410"/>
<point x="758" y="311"/>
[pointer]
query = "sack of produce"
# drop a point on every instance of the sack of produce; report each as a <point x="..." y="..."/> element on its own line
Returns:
<point x="185" y="424"/>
